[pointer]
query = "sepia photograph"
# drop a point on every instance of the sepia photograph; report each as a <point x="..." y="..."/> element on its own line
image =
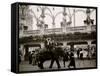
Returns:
<point x="56" y="37"/>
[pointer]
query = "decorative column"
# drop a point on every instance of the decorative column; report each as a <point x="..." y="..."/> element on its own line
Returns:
<point x="53" y="23"/>
<point x="42" y="21"/>
<point x="74" y="17"/>
<point x="64" y="19"/>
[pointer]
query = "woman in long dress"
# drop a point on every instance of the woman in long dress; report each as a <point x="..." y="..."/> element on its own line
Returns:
<point x="72" y="60"/>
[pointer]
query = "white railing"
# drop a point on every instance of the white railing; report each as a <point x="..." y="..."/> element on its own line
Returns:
<point x="60" y="30"/>
<point x="50" y="31"/>
<point x="76" y="29"/>
<point x="31" y="32"/>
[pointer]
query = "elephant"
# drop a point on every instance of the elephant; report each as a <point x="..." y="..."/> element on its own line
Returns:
<point x="53" y="55"/>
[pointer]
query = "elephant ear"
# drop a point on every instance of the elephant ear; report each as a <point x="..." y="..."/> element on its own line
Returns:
<point x="59" y="51"/>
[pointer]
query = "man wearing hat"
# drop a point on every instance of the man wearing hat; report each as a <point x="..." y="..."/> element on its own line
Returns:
<point x="48" y="43"/>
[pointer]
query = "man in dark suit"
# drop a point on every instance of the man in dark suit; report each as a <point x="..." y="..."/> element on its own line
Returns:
<point x="30" y="58"/>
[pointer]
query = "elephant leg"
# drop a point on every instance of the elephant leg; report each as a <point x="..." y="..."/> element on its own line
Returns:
<point x="52" y="61"/>
<point x="74" y="67"/>
<point x="57" y="61"/>
<point x="64" y="62"/>
<point x="40" y="65"/>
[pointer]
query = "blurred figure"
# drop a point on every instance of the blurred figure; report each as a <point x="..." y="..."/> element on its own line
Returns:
<point x="65" y="58"/>
<point x="72" y="60"/>
<point x="19" y="56"/>
<point x="30" y="58"/>
<point x="34" y="57"/>
<point x="78" y="53"/>
<point x="47" y="43"/>
<point x="81" y="56"/>
<point x="53" y="45"/>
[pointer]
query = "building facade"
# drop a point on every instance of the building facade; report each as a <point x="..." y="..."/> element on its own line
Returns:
<point x="67" y="35"/>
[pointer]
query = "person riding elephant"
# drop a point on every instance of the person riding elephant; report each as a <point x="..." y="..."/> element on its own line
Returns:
<point x="53" y="45"/>
<point x="47" y="43"/>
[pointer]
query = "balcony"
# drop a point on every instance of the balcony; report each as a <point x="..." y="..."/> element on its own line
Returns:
<point x="31" y="32"/>
<point x="81" y="29"/>
<point x="51" y="31"/>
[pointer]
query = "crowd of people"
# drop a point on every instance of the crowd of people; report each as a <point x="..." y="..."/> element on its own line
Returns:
<point x="51" y="44"/>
